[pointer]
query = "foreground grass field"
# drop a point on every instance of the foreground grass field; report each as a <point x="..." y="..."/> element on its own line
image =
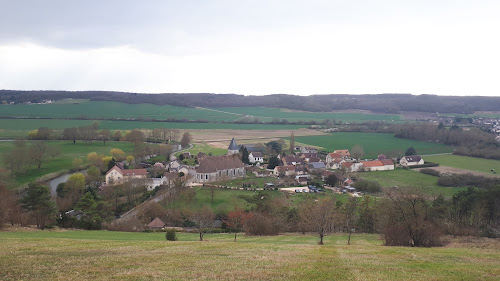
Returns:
<point x="372" y="143"/>
<point x="410" y="178"/>
<point x="64" y="161"/>
<point x="466" y="163"/>
<point x="100" y="255"/>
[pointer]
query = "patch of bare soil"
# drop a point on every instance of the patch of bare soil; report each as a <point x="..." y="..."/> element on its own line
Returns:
<point x="247" y="136"/>
<point x="445" y="169"/>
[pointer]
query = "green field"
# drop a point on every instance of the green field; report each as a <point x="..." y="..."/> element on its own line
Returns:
<point x="268" y="114"/>
<point x="105" y="109"/>
<point x="372" y="143"/>
<point x="64" y="161"/>
<point x="409" y="178"/>
<point x="466" y="163"/>
<point x="14" y="128"/>
<point x="102" y="255"/>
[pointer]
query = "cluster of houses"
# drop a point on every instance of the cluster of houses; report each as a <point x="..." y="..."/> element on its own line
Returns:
<point x="299" y="166"/>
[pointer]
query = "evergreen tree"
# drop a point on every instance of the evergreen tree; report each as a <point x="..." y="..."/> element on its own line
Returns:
<point x="38" y="202"/>
<point x="244" y="155"/>
<point x="292" y="143"/>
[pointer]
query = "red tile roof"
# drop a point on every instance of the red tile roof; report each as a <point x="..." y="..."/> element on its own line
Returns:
<point x="335" y="155"/>
<point x="375" y="163"/>
<point x="387" y="161"/>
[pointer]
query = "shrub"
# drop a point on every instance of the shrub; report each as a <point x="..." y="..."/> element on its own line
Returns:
<point x="368" y="186"/>
<point x="171" y="235"/>
<point x="431" y="172"/>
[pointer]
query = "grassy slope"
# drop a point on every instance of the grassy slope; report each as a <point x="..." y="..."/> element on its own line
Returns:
<point x="267" y="114"/>
<point x="64" y="161"/>
<point x="83" y="255"/>
<point x="466" y="163"/>
<point x="402" y="177"/>
<point x="372" y="143"/>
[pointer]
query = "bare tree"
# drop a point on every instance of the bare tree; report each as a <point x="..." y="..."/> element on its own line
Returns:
<point x="405" y="218"/>
<point x="203" y="218"/>
<point x="186" y="139"/>
<point x="350" y="216"/>
<point x="357" y="151"/>
<point x="319" y="216"/>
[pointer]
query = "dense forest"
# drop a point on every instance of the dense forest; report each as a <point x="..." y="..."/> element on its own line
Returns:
<point x="383" y="103"/>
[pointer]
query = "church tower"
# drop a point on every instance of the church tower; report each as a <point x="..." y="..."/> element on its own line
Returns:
<point x="233" y="148"/>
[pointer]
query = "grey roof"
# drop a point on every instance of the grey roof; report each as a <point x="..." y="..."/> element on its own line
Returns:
<point x="316" y="165"/>
<point x="413" y="158"/>
<point x="257" y="154"/>
<point x="233" y="145"/>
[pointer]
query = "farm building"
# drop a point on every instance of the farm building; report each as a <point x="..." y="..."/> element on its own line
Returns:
<point x="215" y="168"/>
<point x="411" y="160"/>
<point x="292" y="160"/>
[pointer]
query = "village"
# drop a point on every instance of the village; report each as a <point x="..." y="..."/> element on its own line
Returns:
<point x="306" y="170"/>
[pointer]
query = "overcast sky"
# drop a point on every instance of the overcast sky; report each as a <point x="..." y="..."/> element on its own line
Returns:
<point x="252" y="47"/>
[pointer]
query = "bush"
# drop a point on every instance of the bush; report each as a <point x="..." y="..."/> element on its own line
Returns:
<point x="431" y="172"/>
<point x="171" y="235"/>
<point x="426" y="165"/>
<point x="368" y="186"/>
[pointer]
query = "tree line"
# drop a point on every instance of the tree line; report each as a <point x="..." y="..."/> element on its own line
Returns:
<point x="384" y="103"/>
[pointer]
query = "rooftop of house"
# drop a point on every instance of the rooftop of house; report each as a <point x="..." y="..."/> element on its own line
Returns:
<point x="129" y="172"/>
<point x="285" y="168"/>
<point x="374" y="163"/>
<point x="257" y="154"/>
<point x="212" y="164"/>
<point x="334" y="155"/>
<point x="413" y="158"/>
<point x="316" y="165"/>
<point x="387" y="162"/>
<point x="342" y="152"/>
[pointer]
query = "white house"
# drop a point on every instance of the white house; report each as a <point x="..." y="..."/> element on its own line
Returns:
<point x="411" y="160"/>
<point x="287" y="170"/>
<point x="256" y="157"/>
<point x="116" y="175"/>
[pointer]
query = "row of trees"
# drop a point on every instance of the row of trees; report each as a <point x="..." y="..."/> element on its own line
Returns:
<point x="387" y="103"/>
<point x="472" y="142"/>
<point x="25" y="155"/>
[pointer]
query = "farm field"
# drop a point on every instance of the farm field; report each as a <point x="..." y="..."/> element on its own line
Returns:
<point x="105" y="109"/>
<point x="410" y="178"/>
<point x="268" y="114"/>
<point x="64" y="161"/>
<point x="12" y="128"/>
<point x="372" y="143"/>
<point x="466" y="163"/>
<point x="99" y="255"/>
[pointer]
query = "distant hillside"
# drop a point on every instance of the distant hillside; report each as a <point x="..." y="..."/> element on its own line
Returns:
<point x="383" y="103"/>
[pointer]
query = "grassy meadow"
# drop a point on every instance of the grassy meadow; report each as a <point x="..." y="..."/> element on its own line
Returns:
<point x="466" y="163"/>
<point x="372" y="143"/>
<point x="102" y="255"/>
<point x="409" y="178"/>
<point x="64" y="161"/>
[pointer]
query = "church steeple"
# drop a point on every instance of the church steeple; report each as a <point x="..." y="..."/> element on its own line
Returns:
<point x="233" y="148"/>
